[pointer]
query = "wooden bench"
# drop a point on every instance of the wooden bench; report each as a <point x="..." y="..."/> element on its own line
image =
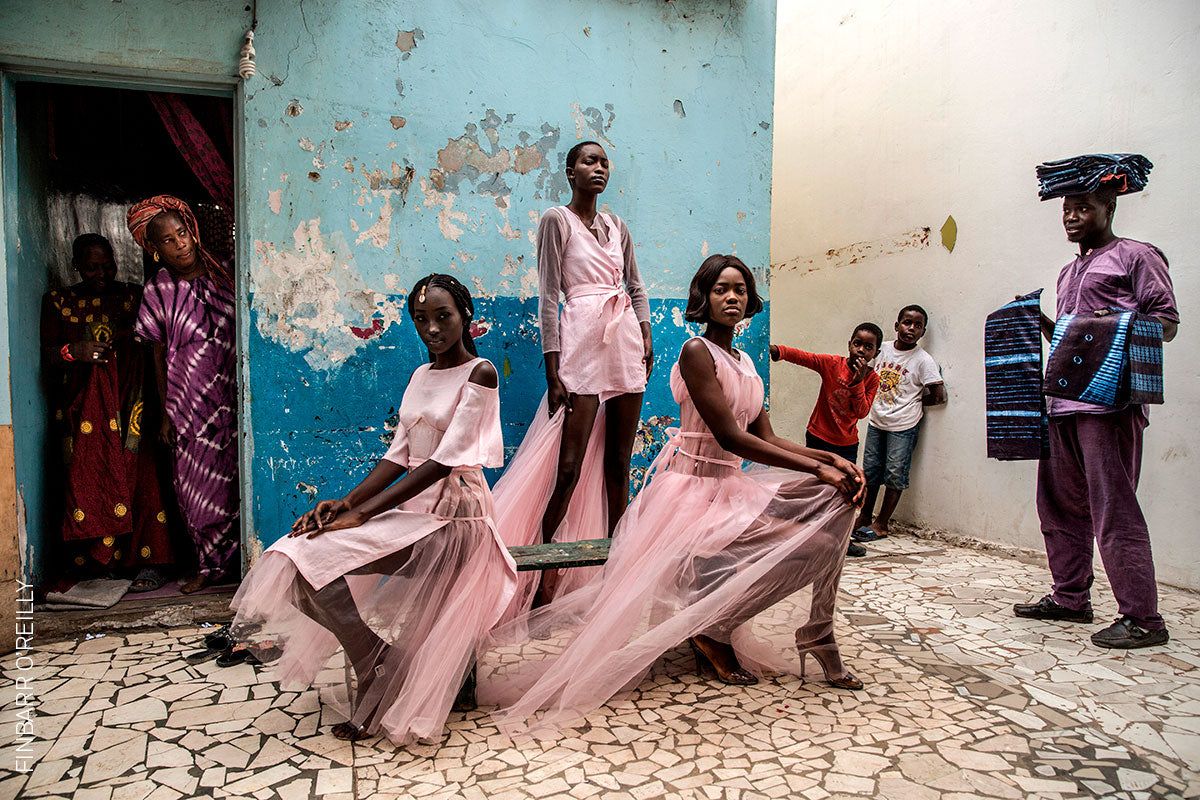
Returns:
<point x="560" y="555"/>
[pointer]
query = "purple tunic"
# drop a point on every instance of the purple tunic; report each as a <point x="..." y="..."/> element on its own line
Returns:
<point x="1122" y="274"/>
<point x="194" y="322"/>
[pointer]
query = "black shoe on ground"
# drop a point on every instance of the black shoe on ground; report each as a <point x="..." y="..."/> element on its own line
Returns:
<point x="1046" y="608"/>
<point x="1125" y="634"/>
<point x="856" y="550"/>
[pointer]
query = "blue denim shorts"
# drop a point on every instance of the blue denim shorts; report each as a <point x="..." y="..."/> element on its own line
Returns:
<point x="887" y="456"/>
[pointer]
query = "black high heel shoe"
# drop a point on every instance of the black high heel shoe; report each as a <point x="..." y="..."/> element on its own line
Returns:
<point x="737" y="677"/>
<point x="824" y="645"/>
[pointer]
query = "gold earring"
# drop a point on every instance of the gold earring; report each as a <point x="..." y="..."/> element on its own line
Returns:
<point x="156" y="257"/>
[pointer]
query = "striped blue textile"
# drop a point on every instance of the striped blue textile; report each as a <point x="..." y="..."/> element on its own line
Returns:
<point x="1017" y="427"/>
<point x="1111" y="360"/>
<point x="1145" y="360"/>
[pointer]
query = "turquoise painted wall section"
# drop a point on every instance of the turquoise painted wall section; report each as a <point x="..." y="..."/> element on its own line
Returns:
<point x="167" y="38"/>
<point x="386" y="139"/>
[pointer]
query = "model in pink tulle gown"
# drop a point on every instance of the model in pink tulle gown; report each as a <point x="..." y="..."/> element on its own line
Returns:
<point x="406" y="590"/>
<point x="707" y="551"/>
<point x="569" y="480"/>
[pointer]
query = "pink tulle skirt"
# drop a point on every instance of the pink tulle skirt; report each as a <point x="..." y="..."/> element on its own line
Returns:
<point x="523" y="492"/>
<point x="427" y="584"/>
<point x="747" y="557"/>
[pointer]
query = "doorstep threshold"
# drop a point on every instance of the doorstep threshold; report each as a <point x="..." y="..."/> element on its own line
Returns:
<point x="134" y="613"/>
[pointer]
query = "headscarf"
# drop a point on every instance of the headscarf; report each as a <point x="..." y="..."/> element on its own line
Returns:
<point x="140" y="215"/>
<point x="1123" y="172"/>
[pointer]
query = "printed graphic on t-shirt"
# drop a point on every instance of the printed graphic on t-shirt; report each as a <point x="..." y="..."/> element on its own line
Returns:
<point x="890" y="377"/>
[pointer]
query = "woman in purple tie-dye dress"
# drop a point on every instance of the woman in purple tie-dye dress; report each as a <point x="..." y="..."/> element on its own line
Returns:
<point x="187" y="314"/>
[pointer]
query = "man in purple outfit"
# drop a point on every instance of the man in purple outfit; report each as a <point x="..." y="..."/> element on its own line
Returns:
<point x="1087" y="488"/>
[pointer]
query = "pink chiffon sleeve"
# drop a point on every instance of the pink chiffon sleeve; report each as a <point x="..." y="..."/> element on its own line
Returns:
<point x="552" y="234"/>
<point x="473" y="438"/>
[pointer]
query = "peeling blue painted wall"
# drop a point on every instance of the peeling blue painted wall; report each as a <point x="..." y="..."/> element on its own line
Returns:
<point x="386" y="139"/>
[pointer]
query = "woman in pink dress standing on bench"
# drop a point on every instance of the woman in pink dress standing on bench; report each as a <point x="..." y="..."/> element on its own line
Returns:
<point x="569" y="481"/>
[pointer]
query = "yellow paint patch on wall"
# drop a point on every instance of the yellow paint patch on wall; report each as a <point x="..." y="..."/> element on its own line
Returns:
<point x="949" y="234"/>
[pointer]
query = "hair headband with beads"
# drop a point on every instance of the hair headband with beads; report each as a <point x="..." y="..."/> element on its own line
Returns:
<point x="421" y="296"/>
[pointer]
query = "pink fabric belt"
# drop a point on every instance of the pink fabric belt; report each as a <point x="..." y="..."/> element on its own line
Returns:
<point x="674" y="446"/>
<point x="616" y="300"/>
<point x="416" y="462"/>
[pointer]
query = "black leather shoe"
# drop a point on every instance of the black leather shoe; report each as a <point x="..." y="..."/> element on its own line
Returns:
<point x="1046" y="608"/>
<point x="1125" y="634"/>
<point x="856" y="550"/>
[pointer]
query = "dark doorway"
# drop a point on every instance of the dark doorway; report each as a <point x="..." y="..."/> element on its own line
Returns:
<point x="84" y="155"/>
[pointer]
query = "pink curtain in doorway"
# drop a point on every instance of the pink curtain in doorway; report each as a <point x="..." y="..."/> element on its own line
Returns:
<point x="196" y="147"/>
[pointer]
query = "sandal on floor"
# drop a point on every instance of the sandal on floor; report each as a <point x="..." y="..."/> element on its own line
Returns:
<point x="265" y="652"/>
<point x="201" y="656"/>
<point x="147" y="580"/>
<point x="865" y="534"/>
<point x="235" y="655"/>
<point x="220" y="639"/>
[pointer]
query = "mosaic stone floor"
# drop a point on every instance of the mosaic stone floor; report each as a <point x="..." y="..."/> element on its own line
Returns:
<point x="963" y="701"/>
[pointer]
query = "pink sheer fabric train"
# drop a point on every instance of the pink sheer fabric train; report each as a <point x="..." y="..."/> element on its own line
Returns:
<point x="428" y="579"/>
<point x="599" y="340"/>
<point x="705" y="548"/>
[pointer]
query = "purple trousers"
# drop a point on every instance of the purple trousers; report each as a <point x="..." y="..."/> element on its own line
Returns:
<point x="1087" y="490"/>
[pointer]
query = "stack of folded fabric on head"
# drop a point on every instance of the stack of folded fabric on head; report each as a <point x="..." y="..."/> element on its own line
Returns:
<point x="1126" y="172"/>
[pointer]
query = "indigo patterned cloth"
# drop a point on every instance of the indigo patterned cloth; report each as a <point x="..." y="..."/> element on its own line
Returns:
<point x="1017" y="427"/>
<point x="1111" y="360"/>
<point x="1145" y="360"/>
<point x="1083" y="174"/>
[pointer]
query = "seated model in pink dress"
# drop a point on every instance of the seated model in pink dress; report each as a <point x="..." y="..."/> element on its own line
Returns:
<point x="706" y="551"/>
<point x="405" y="575"/>
<point x="569" y="480"/>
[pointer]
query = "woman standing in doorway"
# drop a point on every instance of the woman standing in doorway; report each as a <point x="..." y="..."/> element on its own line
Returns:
<point x="187" y="315"/>
<point x="113" y="514"/>
<point x="569" y="481"/>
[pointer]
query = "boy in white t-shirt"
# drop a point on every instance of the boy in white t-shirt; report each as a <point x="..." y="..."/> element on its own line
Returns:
<point x="909" y="380"/>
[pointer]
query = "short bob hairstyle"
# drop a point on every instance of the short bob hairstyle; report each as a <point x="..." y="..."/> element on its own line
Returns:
<point x="706" y="276"/>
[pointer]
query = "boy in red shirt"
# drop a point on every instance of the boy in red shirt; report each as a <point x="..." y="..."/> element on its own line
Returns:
<point x="848" y="387"/>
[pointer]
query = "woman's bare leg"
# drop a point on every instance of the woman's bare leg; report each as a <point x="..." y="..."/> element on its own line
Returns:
<point x="333" y="607"/>
<point x="622" y="415"/>
<point x="576" y="430"/>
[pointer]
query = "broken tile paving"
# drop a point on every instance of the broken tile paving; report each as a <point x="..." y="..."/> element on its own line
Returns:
<point x="963" y="701"/>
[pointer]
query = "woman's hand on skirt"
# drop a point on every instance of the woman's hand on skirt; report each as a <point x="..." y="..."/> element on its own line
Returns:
<point x="846" y="477"/>
<point x="324" y="514"/>
<point x="346" y="519"/>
